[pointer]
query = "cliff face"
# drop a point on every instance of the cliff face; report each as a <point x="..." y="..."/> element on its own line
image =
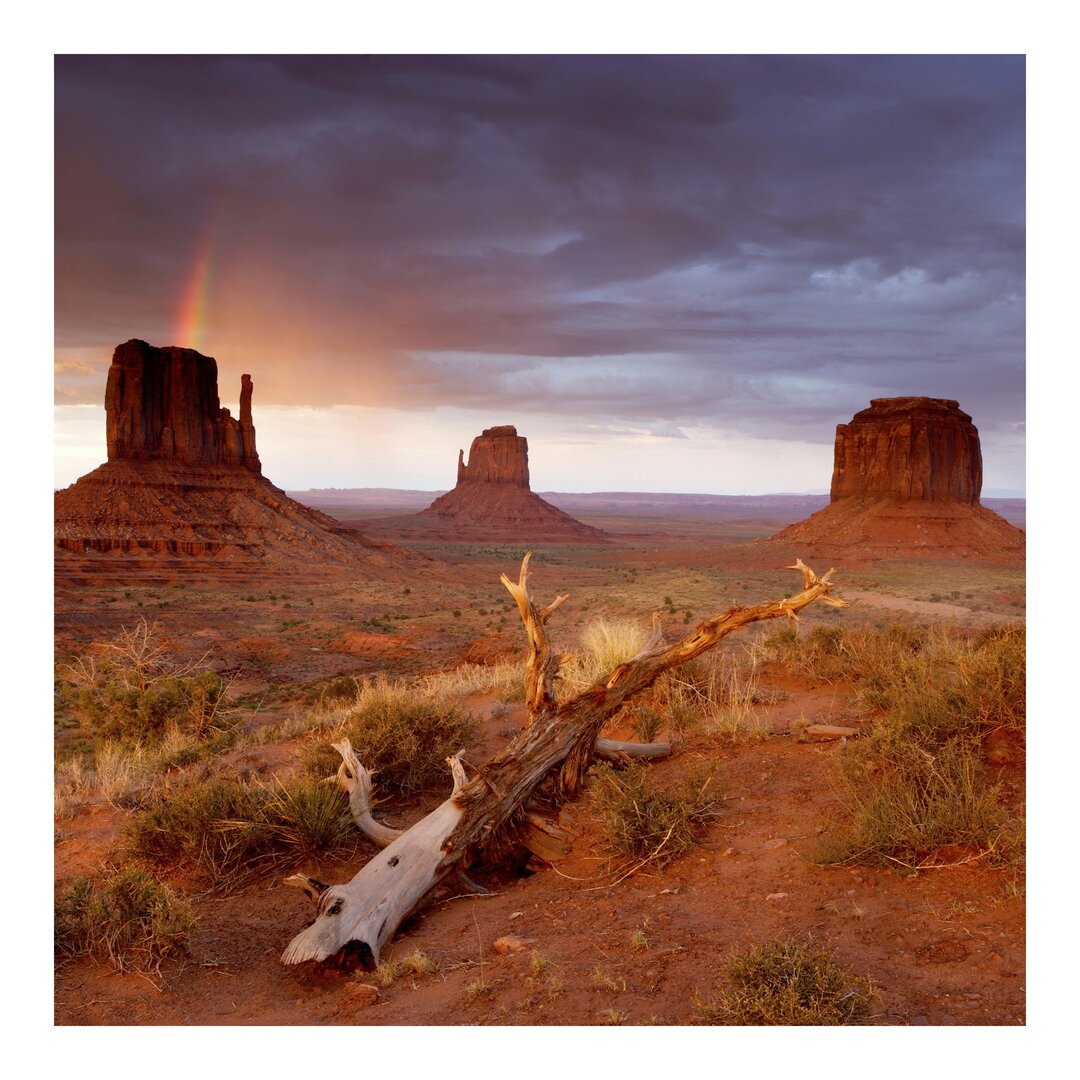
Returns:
<point x="498" y="455"/>
<point x="907" y="474"/>
<point x="908" y="448"/>
<point x="183" y="479"/>
<point x="162" y="405"/>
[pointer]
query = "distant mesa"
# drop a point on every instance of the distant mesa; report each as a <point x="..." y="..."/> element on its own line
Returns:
<point x="183" y="477"/>
<point x="492" y="501"/>
<point x="498" y="455"/>
<point x="908" y="448"/>
<point x="907" y="475"/>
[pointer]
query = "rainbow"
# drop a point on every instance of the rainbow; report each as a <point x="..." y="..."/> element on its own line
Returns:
<point x="191" y="318"/>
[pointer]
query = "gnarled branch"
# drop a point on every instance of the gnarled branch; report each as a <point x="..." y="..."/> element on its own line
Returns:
<point x="362" y="915"/>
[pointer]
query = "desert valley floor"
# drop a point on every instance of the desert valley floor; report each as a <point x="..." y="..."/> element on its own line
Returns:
<point x="588" y="938"/>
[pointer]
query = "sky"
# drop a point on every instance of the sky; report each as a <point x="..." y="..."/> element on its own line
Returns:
<point x="671" y="273"/>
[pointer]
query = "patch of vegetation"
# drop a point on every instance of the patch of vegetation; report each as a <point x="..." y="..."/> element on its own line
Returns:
<point x="402" y="730"/>
<point x="229" y="828"/>
<point x="414" y="966"/>
<point x="605" y="643"/>
<point x="129" y="918"/>
<point x="505" y="680"/>
<point x="644" y="822"/>
<point x="130" y="689"/>
<point x="919" y="783"/>
<point x="791" y="983"/>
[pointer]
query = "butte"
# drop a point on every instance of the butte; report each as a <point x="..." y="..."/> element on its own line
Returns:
<point x="907" y="475"/>
<point x="492" y="501"/>
<point x="183" y="484"/>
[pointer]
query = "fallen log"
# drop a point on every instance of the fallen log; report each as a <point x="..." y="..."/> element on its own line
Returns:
<point x="359" y="917"/>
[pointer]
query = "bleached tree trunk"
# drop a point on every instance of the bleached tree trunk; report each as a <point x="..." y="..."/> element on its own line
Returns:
<point x="555" y="751"/>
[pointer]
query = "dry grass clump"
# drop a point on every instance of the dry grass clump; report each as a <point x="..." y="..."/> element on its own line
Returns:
<point x="604" y="645"/>
<point x="401" y="730"/>
<point x="232" y="829"/>
<point x="121" y="775"/>
<point x="645" y="822"/>
<point x="792" y="983"/>
<point x="414" y="966"/>
<point x="504" y="680"/>
<point x="919" y="782"/>
<point x="129" y="918"/>
<point x="129" y="689"/>
<point x="717" y="694"/>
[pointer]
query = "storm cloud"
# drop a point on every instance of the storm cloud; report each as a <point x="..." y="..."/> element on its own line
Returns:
<point x="755" y="244"/>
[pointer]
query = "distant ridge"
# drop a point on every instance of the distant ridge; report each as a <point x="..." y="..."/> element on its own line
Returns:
<point x="330" y="500"/>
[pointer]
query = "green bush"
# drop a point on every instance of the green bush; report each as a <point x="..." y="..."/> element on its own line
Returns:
<point x="226" y="827"/>
<point x="402" y="731"/>
<point x="129" y="689"/>
<point x="130" y="918"/>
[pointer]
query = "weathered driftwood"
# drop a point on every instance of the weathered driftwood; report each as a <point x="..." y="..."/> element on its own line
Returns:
<point x="613" y="750"/>
<point x="359" y="917"/>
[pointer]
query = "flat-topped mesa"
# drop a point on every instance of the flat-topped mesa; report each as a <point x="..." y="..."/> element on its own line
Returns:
<point x="908" y="448"/>
<point x="498" y="455"/>
<point x="162" y="405"/>
<point x="907" y="476"/>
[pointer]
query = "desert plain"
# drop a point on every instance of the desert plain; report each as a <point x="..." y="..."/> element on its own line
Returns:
<point x="593" y="935"/>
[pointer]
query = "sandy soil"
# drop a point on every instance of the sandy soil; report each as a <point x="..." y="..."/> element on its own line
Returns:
<point x="946" y="946"/>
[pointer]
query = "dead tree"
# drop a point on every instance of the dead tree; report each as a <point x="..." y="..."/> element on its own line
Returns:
<point x="553" y="753"/>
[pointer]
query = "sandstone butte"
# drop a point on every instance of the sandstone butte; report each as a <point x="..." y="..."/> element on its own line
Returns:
<point x="183" y="478"/>
<point x="907" y="475"/>
<point x="492" y="499"/>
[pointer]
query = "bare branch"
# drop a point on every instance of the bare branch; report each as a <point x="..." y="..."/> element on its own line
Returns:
<point x="558" y="746"/>
<point x="541" y="665"/>
<point x="356" y="782"/>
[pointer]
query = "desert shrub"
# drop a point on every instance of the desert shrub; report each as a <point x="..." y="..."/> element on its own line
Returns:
<point x="860" y="653"/>
<point x="643" y="821"/>
<point x="905" y="804"/>
<point x="918" y="782"/>
<point x="130" y="918"/>
<point x="229" y="828"/>
<point x="404" y="731"/>
<point x="332" y="691"/>
<point x="130" y="689"/>
<point x="792" y="983"/>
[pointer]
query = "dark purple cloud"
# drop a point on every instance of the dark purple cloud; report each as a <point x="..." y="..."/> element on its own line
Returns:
<point x="755" y="242"/>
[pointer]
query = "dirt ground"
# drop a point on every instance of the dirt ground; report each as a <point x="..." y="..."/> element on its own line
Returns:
<point x="946" y="946"/>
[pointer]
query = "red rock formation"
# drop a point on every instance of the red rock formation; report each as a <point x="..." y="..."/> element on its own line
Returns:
<point x="183" y="478"/>
<point x="498" y="455"/>
<point x="162" y="405"/>
<point x="907" y="474"/>
<point x="908" y="448"/>
<point x="492" y="501"/>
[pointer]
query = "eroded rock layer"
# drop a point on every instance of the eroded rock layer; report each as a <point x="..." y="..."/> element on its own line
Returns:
<point x="183" y="479"/>
<point x="162" y="405"/>
<point x="908" y="448"/>
<point x="907" y="474"/>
